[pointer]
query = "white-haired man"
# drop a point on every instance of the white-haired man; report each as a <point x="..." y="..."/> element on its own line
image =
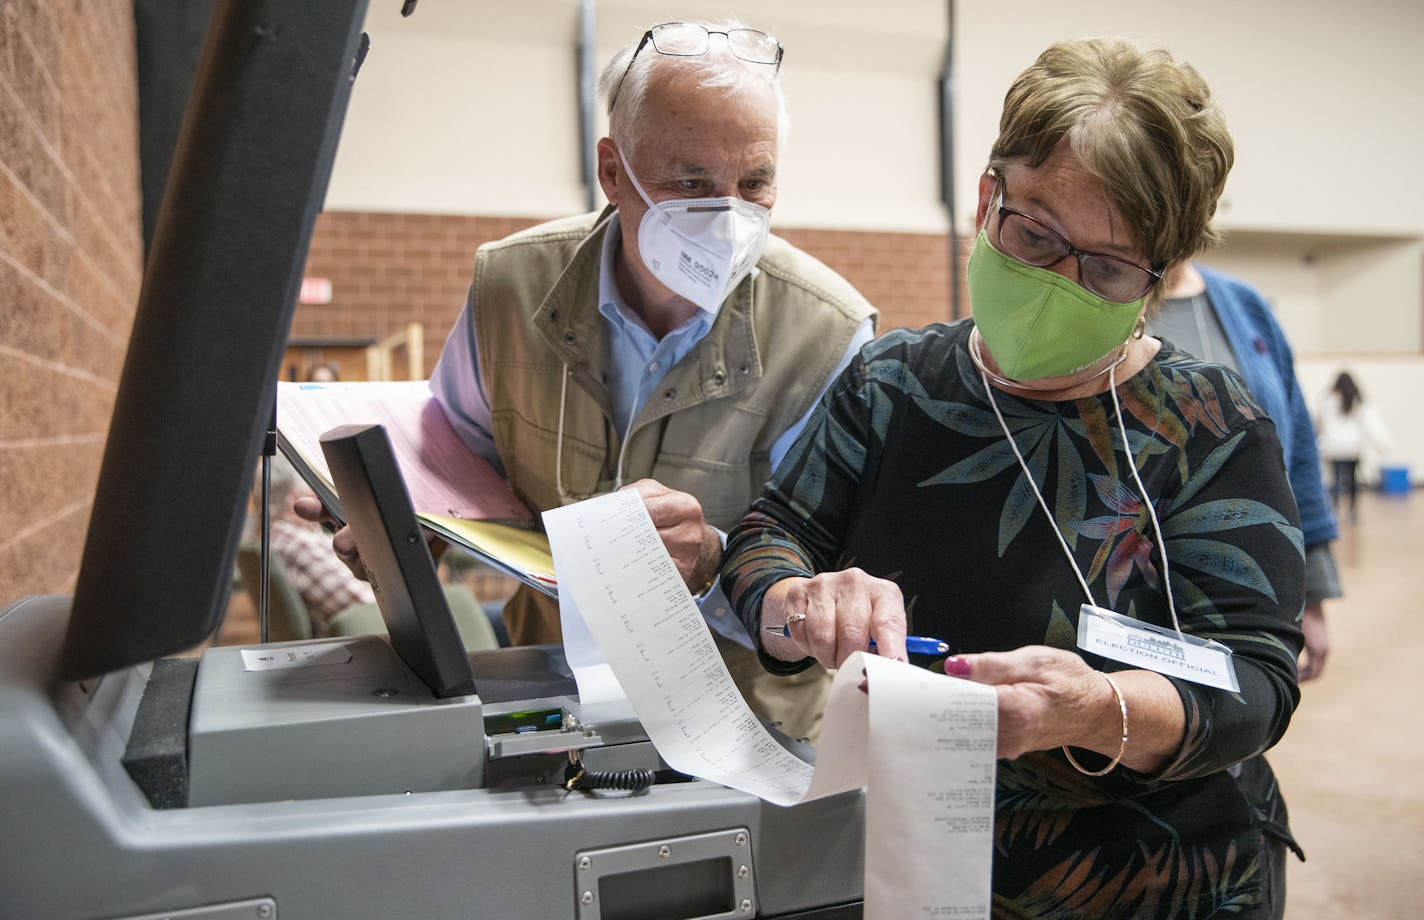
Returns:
<point x="668" y="343"/>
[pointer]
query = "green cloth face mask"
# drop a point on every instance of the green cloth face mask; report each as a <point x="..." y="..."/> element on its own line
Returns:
<point x="1036" y="323"/>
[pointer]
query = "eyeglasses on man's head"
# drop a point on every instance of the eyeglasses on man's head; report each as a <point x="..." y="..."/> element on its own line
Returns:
<point x="692" y="39"/>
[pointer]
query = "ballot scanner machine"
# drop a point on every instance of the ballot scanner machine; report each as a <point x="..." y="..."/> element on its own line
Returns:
<point x="335" y="778"/>
<point x="344" y="788"/>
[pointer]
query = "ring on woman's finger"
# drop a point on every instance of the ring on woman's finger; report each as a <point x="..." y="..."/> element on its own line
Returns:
<point x="784" y="630"/>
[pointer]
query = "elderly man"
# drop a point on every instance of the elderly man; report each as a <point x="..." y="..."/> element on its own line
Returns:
<point x="668" y="343"/>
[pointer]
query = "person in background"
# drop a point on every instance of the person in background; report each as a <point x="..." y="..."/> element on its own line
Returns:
<point x="1348" y="428"/>
<point x="326" y="586"/>
<point x="669" y="343"/>
<point x="325" y="372"/>
<point x="1224" y="320"/>
<point x="984" y="482"/>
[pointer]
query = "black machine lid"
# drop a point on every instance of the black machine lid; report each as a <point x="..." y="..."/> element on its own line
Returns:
<point x="219" y="289"/>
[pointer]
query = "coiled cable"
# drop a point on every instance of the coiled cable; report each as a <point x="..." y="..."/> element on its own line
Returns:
<point x="576" y="778"/>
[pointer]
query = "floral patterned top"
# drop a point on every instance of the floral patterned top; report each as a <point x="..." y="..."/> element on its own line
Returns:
<point x="906" y="473"/>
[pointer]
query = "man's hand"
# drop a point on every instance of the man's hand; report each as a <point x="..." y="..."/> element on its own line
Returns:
<point x="343" y="542"/>
<point x="692" y="543"/>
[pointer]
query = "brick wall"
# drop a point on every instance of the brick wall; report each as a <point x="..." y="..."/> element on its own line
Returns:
<point x="387" y="270"/>
<point x="390" y="269"/>
<point x="70" y="268"/>
<point x="906" y="275"/>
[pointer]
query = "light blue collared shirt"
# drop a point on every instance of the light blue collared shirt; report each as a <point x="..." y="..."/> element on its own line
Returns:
<point x="637" y="363"/>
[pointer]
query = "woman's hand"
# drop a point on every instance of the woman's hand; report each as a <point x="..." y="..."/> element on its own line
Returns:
<point x="1317" y="642"/>
<point x="1047" y="698"/>
<point x="1050" y="697"/>
<point x="832" y="616"/>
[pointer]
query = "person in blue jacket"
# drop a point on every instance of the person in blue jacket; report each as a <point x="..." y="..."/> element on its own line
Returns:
<point x="1226" y="321"/>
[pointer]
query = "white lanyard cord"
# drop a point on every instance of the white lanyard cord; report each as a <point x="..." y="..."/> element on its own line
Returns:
<point x="1042" y="503"/>
<point x="1151" y="509"/>
<point x="565" y="497"/>
<point x="623" y="448"/>
<point x="989" y="391"/>
<point x="559" y="441"/>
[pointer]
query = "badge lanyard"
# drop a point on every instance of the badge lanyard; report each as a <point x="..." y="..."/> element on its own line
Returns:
<point x="1110" y="634"/>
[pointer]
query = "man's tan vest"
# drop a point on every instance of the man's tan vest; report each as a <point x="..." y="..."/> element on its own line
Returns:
<point x="707" y="430"/>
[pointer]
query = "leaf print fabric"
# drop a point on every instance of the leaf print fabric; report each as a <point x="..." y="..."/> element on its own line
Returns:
<point x="906" y="473"/>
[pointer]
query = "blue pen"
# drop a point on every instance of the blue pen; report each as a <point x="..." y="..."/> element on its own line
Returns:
<point x="915" y="645"/>
<point x="922" y="645"/>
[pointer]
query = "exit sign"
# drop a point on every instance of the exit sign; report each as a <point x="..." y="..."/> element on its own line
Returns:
<point x="315" y="290"/>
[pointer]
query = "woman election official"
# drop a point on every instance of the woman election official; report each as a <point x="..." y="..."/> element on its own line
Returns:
<point x="1098" y="524"/>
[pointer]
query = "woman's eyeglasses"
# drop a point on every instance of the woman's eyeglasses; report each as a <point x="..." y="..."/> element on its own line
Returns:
<point x="1033" y="243"/>
<point x="689" y="39"/>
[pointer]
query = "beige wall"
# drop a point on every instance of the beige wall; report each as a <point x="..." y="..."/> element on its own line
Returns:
<point x="452" y="125"/>
<point x="472" y="109"/>
<point x="1322" y="97"/>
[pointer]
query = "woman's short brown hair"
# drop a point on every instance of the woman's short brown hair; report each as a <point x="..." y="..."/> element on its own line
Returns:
<point x="1140" y="121"/>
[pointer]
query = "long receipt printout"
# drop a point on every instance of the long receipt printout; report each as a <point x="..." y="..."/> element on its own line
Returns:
<point x="922" y="744"/>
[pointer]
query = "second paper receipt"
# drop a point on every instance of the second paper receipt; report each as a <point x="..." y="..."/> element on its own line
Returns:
<point x="922" y="744"/>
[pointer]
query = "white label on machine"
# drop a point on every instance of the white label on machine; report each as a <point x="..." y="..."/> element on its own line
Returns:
<point x="295" y="656"/>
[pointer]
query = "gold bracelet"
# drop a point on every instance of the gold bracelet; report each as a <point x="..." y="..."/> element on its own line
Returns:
<point x="701" y="592"/>
<point x="1122" y="745"/>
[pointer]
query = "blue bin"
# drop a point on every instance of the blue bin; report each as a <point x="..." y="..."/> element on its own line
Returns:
<point x="1394" y="480"/>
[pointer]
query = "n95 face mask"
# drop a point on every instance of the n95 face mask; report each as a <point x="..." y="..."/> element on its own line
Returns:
<point x="700" y="248"/>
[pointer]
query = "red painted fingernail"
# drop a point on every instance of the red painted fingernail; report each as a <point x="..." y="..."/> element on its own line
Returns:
<point x="864" y="687"/>
<point x="899" y="657"/>
<point x="956" y="667"/>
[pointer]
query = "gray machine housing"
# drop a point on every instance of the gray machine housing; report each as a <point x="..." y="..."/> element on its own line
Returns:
<point x="317" y="797"/>
<point x="353" y="723"/>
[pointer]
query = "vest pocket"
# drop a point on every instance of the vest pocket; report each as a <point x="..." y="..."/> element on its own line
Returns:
<point x="538" y="462"/>
<point x="725" y="490"/>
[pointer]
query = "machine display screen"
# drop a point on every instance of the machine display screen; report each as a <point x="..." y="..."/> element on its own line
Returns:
<point x="677" y="892"/>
